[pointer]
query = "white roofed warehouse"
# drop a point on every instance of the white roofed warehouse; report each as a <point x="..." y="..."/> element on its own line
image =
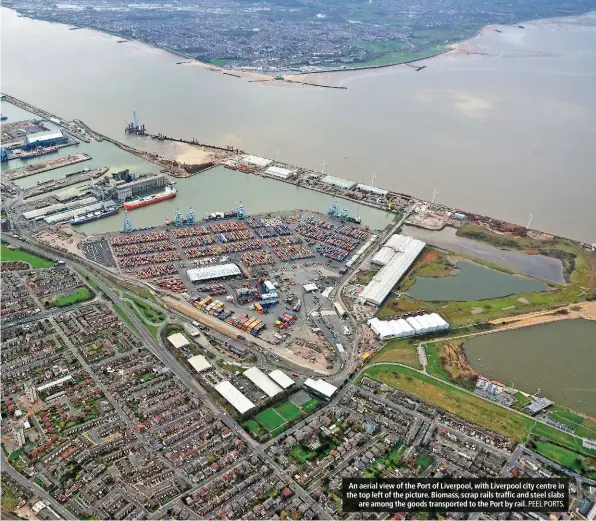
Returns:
<point x="178" y="340"/>
<point x="339" y="182"/>
<point x="320" y="387"/>
<point x="407" y="250"/>
<point x="261" y="162"/>
<point x="220" y="271"/>
<point x="41" y="139"/>
<point x="279" y="172"/>
<point x="262" y="381"/>
<point x="199" y="363"/>
<point x="240" y="402"/>
<point x="281" y="379"/>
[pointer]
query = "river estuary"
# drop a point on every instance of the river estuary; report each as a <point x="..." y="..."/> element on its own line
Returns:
<point x="504" y="132"/>
<point x="558" y="358"/>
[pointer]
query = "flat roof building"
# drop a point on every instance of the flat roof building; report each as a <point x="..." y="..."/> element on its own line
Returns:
<point x="240" y="402"/>
<point x="261" y="162"/>
<point x="262" y="381"/>
<point x="309" y="288"/>
<point x="383" y="256"/>
<point x="218" y="271"/>
<point x="281" y="379"/>
<point x="178" y="340"/>
<point x="539" y="405"/>
<point x="407" y="250"/>
<point x="281" y="173"/>
<point x="52" y="137"/>
<point x="199" y="363"/>
<point x="371" y="189"/>
<point x="321" y="387"/>
<point x="331" y="180"/>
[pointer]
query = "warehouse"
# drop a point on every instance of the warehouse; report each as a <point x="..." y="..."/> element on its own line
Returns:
<point x="383" y="256"/>
<point x="383" y="282"/>
<point x="411" y="326"/>
<point x="43" y="139"/>
<point x="232" y="395"/>
<point x="280" y="173"/>
<point x="178" y="340"/>
<point x="220" y="271"/>
<point x="68" y="215"/>
<point x="261" y="162"/>
<point x="199" y="363"/>
<point x="320" y="387"/>
<point x="331" y="180"/>
<point x="281" y="379"/>
<point x="53" y="208"/>
<point x="372" y="189"/>
<point x="262" y="381"/>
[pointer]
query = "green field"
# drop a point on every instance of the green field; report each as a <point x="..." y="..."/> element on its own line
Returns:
<point x="423" y="461"/>
<point x="79" y="295"/>
<point x="399" y="350"/>
<point x="434" y="361"/>
<point x="583" y="426"/>
<point x="288" y="411"/>
<point x="8" y="254"/>
<point x="154" y="330"/>
<point x="277" y="419"/>
<point x="270" y="419"/>
<point x="9" y="499"/>
<point x="566" y="458"/>
<point x="453" y="400"/>
<point x="148" y="312"/>
<point x="481" y="412"/>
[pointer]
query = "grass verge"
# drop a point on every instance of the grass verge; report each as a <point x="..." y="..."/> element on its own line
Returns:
<point x="36" y="262"/>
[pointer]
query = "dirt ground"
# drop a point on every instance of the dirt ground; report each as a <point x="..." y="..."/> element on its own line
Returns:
<point x="586" y="310"/>
<point x="455" y="364"/>
<point x="62" y="238"/>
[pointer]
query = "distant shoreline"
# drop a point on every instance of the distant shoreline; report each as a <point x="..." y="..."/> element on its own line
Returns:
<point x="292" y="78"/>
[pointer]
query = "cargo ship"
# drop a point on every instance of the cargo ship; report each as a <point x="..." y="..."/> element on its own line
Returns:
<point x="93" y="216"/>
<point x="168" y="193"/>
<point x="37" y="153"/>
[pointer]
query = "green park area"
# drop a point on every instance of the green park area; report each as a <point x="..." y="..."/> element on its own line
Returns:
<point x="582" y="425"/>
<point x="71" y="297"/>
<point x="567" y="458"/>
<point x="399" y="350"/>
<point x="275" y="420"/>
<point x="16" y="254"/>
<point x="472" y="408"/>
<point x="10" y="500"/>
<point x="148" y="312"/>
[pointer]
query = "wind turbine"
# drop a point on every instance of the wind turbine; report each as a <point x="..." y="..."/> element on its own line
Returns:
<point x="434" y="195"/>
<point x="372" y="183"/>
<point x="323" y="169"/>
<point x="529" y="221"/>
<point x="277" y="156"/>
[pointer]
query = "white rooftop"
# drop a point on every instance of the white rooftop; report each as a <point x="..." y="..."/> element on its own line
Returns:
<point x="407" y="250"/>
<point x="213" y="272"/>
<point x="282" y="173"/>
<point x="383" y="256"/>
<point x="310" y="287"/>
<point x="321" y="386"/>
<point x="199" y="363"/>
<point x="240" y="402"/>
<point x="44" y="136"/>
<point x="262" y="381"/>
<point x="178" y="340"/>
<point x="256" y="161"/>
<point x="372" y="189"/>
<point x="338" y="181"/>
<point x="281" y="378"/>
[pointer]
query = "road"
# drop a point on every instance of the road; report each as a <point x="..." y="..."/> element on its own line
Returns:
<point x="179" y="371"/>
